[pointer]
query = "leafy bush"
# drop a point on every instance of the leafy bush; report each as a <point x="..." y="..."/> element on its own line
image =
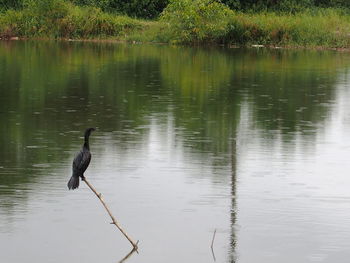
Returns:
<point x="293" y="6"/>
<point x="135" y="8"/>
<point x="196" y="20"/>
<point x="11" y="24"/>
<point x="289" y="6"/>
<point x="10" y="4"/>
<point x="333" y="3"/>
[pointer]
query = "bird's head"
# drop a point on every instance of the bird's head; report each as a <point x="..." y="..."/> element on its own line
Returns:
<point x="88" y="131"/>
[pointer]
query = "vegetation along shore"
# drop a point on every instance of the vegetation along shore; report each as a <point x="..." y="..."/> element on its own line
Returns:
<point x="297" y="23"/>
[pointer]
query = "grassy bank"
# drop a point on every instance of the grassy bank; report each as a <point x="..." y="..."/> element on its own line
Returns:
<point x="327" y="28"/>
<point x="187" y="21"/>
<point x="60" y="19"/>
<point x="183" y="21"/>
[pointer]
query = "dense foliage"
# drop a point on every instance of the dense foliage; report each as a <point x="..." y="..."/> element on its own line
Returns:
<point x="183" y="21"/>
<point x="283" y="5"/>
<point x="153" y="8"/>
<point x="193" y="21"/>
<point x="196" y="20"/>
<point x="275" y="5"/>
<point x="135" y="8"/>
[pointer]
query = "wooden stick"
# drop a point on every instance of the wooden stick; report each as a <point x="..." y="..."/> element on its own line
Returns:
<point x="114" y="221"/>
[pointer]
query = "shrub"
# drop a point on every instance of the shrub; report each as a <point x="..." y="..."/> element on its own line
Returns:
<point x="10" y="4"/>
<point x="11" y="24"/>
<point x="134" y="8"/>
<point x="333" y="3"/>
<point x="196" y="20"/>
<point x="43" y="17"/>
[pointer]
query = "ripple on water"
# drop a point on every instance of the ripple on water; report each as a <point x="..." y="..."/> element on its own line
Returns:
<point x="35" y="146"/>
<point x="41" y="165"/>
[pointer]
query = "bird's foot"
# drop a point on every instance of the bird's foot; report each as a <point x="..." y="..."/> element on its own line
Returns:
<point x="83" y="178"/>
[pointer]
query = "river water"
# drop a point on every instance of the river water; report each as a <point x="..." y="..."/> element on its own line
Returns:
<point x="254" y="144"/>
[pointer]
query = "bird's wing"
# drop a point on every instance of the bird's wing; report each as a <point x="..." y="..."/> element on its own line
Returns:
<point x="81" y="161"/>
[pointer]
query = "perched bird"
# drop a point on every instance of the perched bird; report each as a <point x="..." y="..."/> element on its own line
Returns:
<point x="81" y="162"/>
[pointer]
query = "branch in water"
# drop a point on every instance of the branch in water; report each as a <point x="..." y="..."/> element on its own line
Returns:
<point x="114" y="221"/>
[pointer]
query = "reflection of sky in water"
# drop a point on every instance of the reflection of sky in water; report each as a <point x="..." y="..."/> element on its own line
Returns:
<point x="177" y="156"/>
<point x="293" y="203"/>
<point x="160" y="198"/>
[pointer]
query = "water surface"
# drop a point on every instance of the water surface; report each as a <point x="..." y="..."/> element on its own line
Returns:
<point x="252" y="143"/>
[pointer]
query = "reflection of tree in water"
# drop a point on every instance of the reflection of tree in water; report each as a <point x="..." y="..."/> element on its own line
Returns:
<point x="52" y="91"/>
<point x="233" y="242"/>
<point x="286" y="92"/>
<point x="59" y="90"/>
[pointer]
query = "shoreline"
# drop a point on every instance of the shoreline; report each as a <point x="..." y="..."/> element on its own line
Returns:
<point x="182" y="22"/>
<point x="134" y="42"/>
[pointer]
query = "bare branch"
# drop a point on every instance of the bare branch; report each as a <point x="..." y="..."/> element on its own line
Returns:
<point x="114" y="221"/>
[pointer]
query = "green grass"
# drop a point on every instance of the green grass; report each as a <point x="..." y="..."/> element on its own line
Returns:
<point x="182" y="22"/>
<point x="328" y="28"/>
<point x="205" y="21"/>
<point x="59" y="19"/>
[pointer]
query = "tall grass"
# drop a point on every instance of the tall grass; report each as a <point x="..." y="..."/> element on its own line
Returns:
<point x="207" y="21"/>
<point x="183" y="21"/>
<point x="60" y="19"/>
<point x="327" y="27"/>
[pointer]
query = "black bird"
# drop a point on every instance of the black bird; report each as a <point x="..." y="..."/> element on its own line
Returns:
<point x="81" y="162"/>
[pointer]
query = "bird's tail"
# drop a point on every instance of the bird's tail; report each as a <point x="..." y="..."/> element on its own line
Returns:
<point x="73" y="183"/>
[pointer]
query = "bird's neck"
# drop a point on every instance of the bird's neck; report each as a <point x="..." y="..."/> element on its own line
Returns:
<point x="86" y="143"/>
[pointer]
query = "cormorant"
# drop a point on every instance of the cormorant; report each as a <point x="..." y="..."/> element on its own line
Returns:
<point x="81" y="162"/>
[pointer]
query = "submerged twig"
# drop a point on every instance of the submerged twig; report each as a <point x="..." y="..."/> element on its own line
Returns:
<point x="127" y="256"/>
<point x="212" y="241"/>
<point x="114" y="221"/>
<point x="212" y="245"/>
